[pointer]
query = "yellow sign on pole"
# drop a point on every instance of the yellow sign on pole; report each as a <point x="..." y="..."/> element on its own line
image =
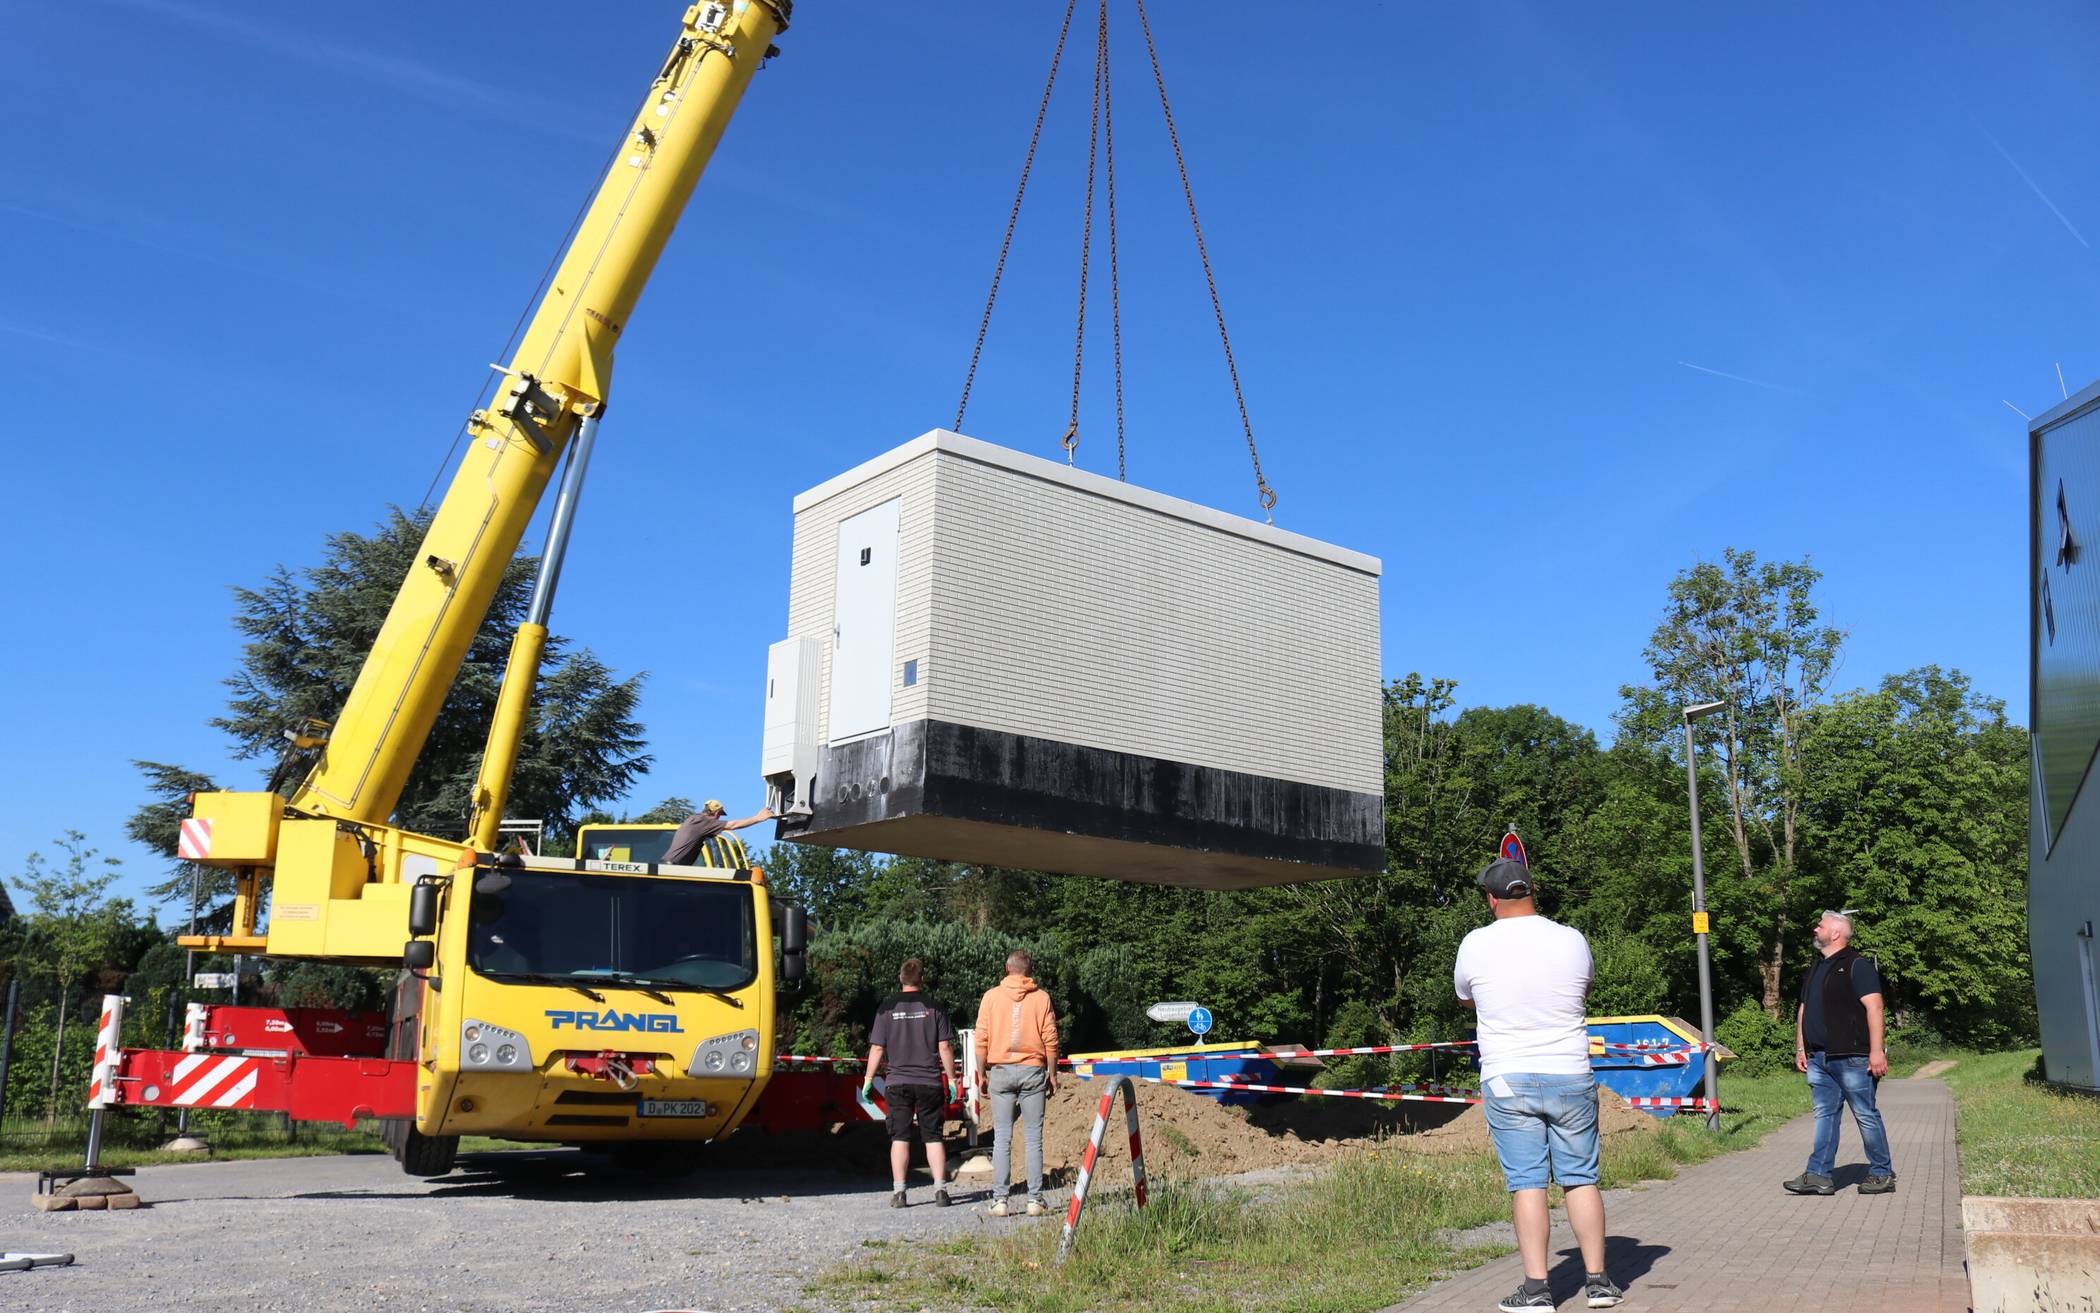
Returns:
<point x="1699" y="923"/>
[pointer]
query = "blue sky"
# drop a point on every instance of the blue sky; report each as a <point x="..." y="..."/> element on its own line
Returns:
<point x="1539" y="303"/>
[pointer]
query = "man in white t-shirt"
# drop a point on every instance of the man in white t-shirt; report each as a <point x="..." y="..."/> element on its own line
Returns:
<point x="1528" y="979"/>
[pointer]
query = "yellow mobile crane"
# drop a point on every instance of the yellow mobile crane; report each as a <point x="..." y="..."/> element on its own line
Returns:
<point x="566" y="1000"/>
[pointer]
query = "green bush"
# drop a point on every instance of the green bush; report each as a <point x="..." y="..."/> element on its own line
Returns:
<point x="1763" y="1044"/>
<point x="853" y="970"/>
<point x="1628" y="978"/>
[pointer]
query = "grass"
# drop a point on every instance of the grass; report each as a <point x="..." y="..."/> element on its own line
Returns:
<point x="2019" y="1137"/>
<point x="1200" y="1247"/>
<point x="1910" y="1049"/>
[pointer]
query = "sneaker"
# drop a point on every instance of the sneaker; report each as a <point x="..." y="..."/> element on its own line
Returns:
<point x="1811" y="1183"/>
<point x="1037" y="1208"/>
<point x="1000" y="1208"/>
<point x="1878" y="1185"/>
<point x="940" y="1198"/>
<point x="1523" y="1301"/>
<point x="897" y="1199"/>
<point x="1602" y="1293"/>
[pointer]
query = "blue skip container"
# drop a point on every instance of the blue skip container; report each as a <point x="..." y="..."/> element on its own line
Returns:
<point x="1626" y="1075"/>
<point x="1186" y="1062"/>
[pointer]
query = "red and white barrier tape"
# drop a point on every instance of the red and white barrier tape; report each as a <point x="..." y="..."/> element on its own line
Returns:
<point x="1250" y="1087"/>
<point x="1652" y="1055"/>
<point x="1704" y="1105"/>
<point x="1655" y="1054"/>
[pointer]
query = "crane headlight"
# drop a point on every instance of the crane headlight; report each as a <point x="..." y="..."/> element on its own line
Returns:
<point x="484" y="1047"/>
<point x="733" y="1056"/>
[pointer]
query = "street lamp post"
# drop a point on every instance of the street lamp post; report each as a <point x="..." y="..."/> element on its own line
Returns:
<point x="1699" y="919"/>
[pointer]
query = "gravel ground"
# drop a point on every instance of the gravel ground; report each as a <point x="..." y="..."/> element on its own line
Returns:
<point x="507" y="1233"/>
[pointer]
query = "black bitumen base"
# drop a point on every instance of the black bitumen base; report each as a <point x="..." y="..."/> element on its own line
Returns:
<point x="929" y="788"/>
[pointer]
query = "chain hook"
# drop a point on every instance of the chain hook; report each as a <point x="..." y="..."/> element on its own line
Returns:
<point x="1070" y="442"/>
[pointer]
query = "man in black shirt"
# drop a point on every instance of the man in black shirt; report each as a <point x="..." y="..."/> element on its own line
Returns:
<point x="1840" y="1041"/>
<point x="915" y="1041"/>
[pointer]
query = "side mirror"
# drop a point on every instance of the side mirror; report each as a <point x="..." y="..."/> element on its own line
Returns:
<point x="423" y="910"/>
<point x="419" y="955"/>
<point x="794" y="941"/>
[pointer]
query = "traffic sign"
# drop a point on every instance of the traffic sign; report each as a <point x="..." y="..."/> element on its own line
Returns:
<point x="1171" y="1012"/>
<point x="1199" y="1022"/>
<point x="212" y="980"/>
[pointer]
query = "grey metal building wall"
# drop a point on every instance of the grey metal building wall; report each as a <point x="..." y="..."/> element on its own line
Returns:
<point x="2063" y="891"/>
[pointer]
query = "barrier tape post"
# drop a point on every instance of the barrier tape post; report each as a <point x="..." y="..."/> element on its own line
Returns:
<point x="102" y="1077"/>
<point x="92" y="1185"/>
<point x="1128" y="1090"/>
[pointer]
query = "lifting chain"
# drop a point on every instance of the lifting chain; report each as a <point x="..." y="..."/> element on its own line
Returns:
<point x="1261" y="484"/>
<point x="1014" y="216"/>
<point x="1103" y="127"/>
<point x="1101" y="143"/>
<point x="1115" y="290"/>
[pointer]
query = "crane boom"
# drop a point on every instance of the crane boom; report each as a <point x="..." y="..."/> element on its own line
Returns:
<point x="338" y="870"/>
<point x="560" y="375"/>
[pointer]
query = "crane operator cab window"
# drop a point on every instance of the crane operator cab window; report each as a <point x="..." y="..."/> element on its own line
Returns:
<point x="627" y="843"/>
<point x="613" y="931"/>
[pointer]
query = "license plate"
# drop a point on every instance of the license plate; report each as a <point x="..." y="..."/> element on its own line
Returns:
<point x="675" y="1108"/>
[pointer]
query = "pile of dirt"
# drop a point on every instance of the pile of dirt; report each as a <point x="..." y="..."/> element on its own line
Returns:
<point x="1187" y="1135"/>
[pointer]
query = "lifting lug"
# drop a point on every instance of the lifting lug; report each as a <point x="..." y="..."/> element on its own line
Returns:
<point x="527" y="405"/>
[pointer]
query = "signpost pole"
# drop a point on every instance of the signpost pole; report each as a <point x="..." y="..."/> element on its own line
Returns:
<point x="1699" y="917"/>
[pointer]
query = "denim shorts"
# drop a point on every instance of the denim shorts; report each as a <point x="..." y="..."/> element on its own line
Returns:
<point x="1544" y="1129"/>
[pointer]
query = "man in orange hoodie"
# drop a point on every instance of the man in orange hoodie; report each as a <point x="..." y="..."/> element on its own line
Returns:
<point x="1017" y="1064"/>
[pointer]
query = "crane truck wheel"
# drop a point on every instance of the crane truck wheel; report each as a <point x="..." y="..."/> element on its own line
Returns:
<point x="425" y="1155"/>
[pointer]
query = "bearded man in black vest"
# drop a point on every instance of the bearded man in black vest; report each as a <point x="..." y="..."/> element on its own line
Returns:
<point x="1840" y="1037"/>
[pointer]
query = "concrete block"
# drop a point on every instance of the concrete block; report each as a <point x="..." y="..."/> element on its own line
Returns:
<point x="2031" y="1255"/>
<point x="1026" y="665"/>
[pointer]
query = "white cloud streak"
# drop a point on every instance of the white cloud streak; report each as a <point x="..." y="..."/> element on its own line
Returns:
<point x="412" y="77"/>
<point x="2032" y="185"/>
<point x="1738" y="378"/>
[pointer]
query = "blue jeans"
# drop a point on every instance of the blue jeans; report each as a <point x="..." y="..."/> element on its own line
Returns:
<point x="1545" y="1124"/>
<point x="1833" y="1083"/>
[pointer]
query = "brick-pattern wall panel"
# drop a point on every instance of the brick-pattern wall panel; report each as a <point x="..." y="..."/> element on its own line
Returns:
<point x="1067" y="615"/>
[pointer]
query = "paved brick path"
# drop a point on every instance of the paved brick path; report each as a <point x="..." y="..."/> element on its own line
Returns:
<point x="1722" y="1237"/>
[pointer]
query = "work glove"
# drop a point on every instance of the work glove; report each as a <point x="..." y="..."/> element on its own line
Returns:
<point x="954" y="1090"/>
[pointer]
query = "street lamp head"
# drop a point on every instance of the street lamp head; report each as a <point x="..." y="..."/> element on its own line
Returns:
<point x="1698" y="709"/>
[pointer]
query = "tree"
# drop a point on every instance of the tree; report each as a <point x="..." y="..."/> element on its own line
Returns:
<point x="835" y="884"/>
<point x="1915" y="815"/>
<point x="307" y="635"/>
<point x="158" y="825"/>
<point x="671" y="811"/>
<point x="71" y="926"/>
<point x="1749" y="635"/>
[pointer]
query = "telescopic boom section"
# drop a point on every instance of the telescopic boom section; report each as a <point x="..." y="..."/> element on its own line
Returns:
<point x="560" y="374"/>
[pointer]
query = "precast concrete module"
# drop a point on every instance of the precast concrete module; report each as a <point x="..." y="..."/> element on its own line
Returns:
<point x="997" y="659"/>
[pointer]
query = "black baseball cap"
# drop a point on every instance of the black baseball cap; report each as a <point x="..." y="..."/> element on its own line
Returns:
<point x="1506" y="879"/>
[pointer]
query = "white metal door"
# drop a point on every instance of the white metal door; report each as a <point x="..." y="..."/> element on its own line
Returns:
<point x="864" y="623"/>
